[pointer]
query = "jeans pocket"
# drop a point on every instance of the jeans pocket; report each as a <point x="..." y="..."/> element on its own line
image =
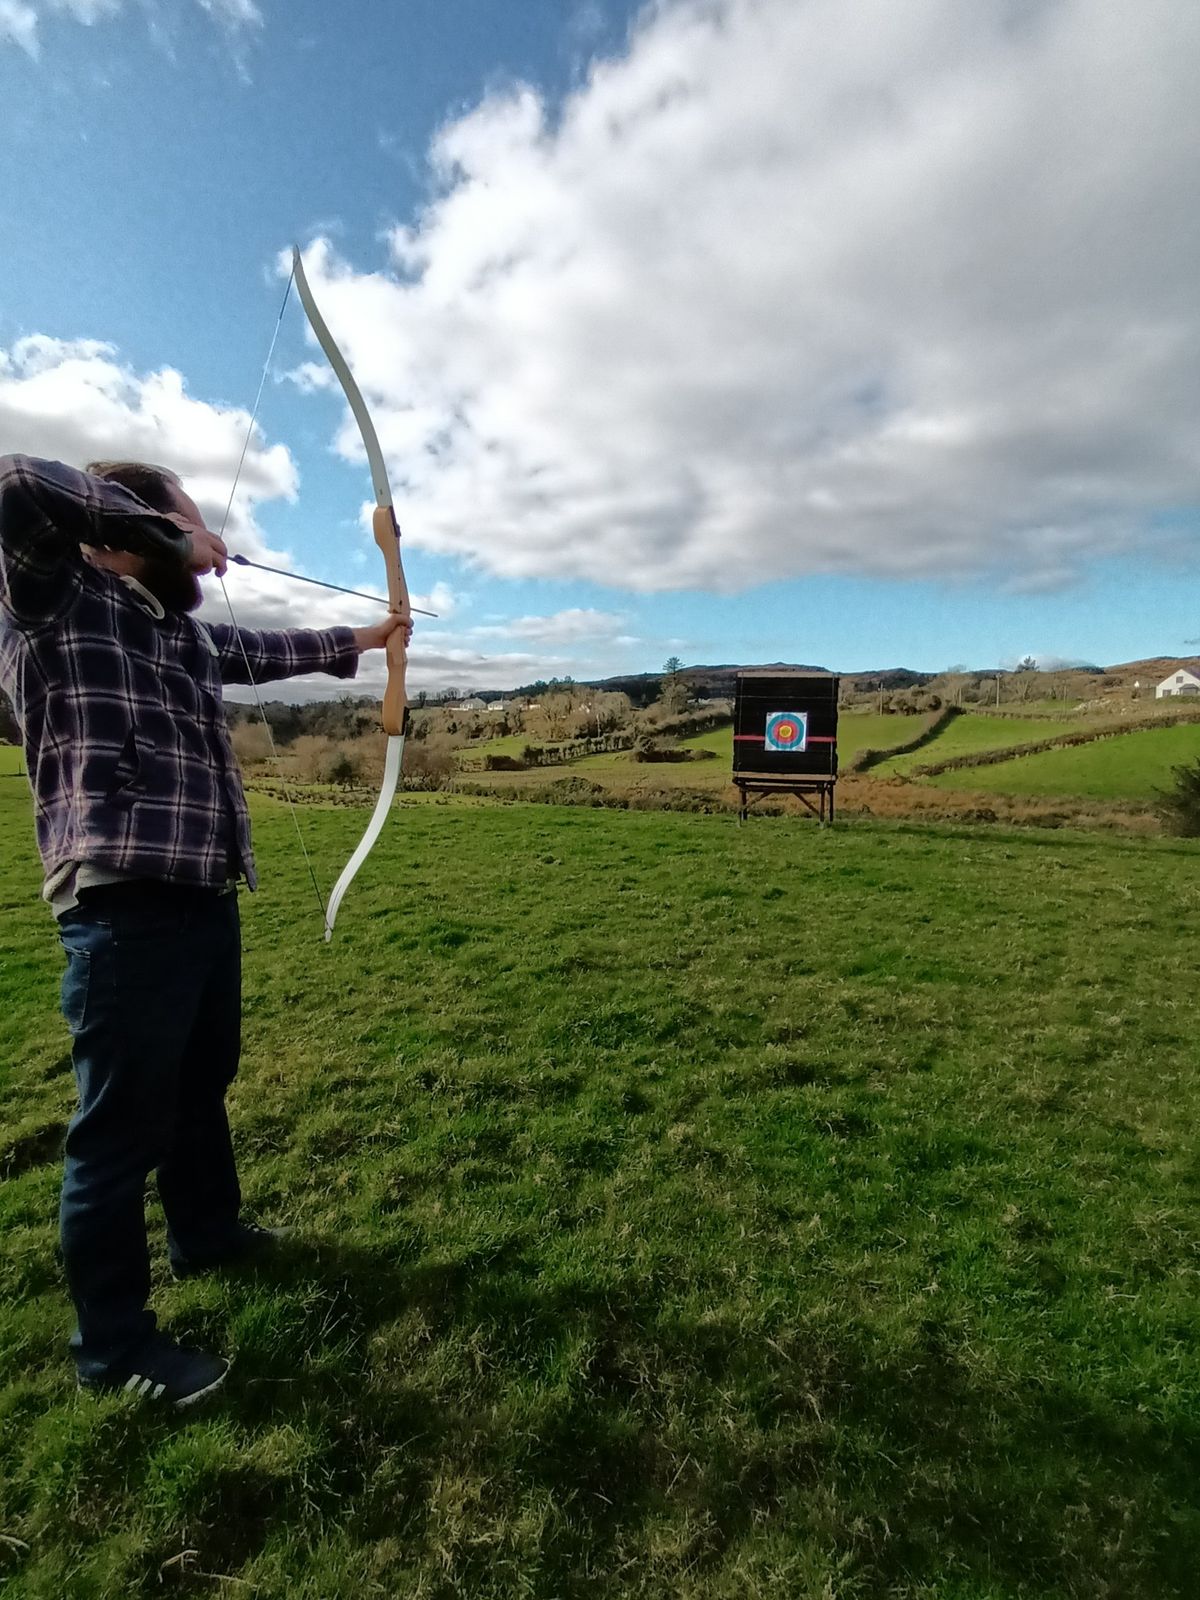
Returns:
<point x="76" y="987"/>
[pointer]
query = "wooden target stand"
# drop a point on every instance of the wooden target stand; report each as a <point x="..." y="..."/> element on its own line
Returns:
<point x="756" y="786"/>
<point x="785" y="738"/>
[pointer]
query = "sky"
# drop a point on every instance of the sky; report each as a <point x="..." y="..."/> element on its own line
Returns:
<point x="839" y="332"/>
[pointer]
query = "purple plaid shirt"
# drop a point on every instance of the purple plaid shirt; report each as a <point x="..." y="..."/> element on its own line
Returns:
<point x="125" y="738"/>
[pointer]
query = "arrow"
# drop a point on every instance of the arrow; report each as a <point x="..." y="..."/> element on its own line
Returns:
<point x="376" y="599"/>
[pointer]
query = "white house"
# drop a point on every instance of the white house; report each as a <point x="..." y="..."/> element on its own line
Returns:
<point x="1181" y="682"/>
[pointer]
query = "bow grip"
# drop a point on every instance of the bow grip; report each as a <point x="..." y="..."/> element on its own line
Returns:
<point x="387" y="537"/>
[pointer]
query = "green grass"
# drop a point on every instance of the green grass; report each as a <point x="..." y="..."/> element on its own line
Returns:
<point x="718" y="741"/>
<point x="857" y="731"/>
<point x="1042" y="708"/>
<point x="618" y="767"/>
<point x="974" y="731"/>
<point x="1129" y="766"/>
<point x="510" y="744"/>
<point x="12" y="760"/>
<point x="684" y="1210"/>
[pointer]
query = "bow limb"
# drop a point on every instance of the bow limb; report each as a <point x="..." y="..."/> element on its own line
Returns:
<point x="387" y="536"/>
<point x="391" y="776"/>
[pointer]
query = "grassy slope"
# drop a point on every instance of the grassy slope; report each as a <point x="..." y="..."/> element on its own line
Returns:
<point x="686" y="1210"/>
<point x="856" y="731"/>
<point x="1043" y="708"/>
<point x="1130" y="766"/>
<point x="511" y="744"/>
<point x="973" y="731"/>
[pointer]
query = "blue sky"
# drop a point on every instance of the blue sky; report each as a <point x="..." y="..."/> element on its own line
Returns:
<point x="834" y="332"/>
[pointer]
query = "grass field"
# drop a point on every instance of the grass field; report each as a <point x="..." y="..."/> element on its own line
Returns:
<point x="510" y="744"/>
<point x="974" y="731"/>
<point x="857" y="731"/>
<point x="864" y="730"/>
<point x="12" y="761"/>
<point x="1129" y="766"/>
<point x="683" y="1210"/>
<point x="1043" y="707"/>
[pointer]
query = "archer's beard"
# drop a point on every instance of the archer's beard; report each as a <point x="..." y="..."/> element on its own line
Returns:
<point x="175" y="588"/>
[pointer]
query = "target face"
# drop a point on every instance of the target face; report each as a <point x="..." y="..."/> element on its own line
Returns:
<point x="787" y="731"/>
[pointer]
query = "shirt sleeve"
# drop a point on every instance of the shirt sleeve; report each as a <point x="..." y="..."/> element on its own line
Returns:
<point x="284" y="653"/>
<point x="47" y="510"/>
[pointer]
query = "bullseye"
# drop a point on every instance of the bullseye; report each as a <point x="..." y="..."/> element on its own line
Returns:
<point x="787" y="731"/>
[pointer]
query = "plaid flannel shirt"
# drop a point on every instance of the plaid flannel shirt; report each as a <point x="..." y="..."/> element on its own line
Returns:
<point x="126" y="744"/>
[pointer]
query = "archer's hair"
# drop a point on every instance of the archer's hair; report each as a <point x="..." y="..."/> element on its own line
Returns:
<point x="153" y="485"/>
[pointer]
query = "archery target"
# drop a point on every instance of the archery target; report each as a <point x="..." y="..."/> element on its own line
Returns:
<point x="787" y="731"/>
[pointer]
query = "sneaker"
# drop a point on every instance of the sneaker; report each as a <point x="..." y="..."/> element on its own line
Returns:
<point x="250" y="1242"/>
<point x="172" y="1373"/>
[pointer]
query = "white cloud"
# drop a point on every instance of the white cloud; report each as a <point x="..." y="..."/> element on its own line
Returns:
<point x="74" y="401"/>
<point x="18" y="25"/>
<point x="432" y="667"/>
<point x="233" y="14"/>
<point x="842" y="286"/>
<point x="441" y="600"/>
<point x="19" y="19"/>
<point x="575" y="626"/>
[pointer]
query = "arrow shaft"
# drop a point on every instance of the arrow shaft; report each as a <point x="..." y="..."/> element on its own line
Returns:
<point x="299" y="577"/>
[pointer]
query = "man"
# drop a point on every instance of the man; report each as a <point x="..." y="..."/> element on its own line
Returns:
<point x="143" y="832"/>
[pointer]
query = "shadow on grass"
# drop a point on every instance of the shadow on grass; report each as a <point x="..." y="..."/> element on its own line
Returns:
<point x="664" y="1434"/>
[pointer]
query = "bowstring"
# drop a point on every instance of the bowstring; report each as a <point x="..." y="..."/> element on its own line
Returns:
<point x="237" y="632"/>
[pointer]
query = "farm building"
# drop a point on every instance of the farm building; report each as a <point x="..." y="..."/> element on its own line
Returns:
<point x="1181" y="682"/>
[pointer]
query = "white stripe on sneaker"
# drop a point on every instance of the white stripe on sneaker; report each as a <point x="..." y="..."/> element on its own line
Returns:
<point x="148" y="1387"/>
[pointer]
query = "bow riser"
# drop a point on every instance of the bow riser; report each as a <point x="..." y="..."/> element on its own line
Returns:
<point x="387" y="536"/>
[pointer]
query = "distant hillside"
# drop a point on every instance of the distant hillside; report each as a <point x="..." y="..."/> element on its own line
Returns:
<point x="1154" y="669"/>
<point x="1101" y="691"/>
<point x="706" y="683"/>
<point x="1084" y="682"/>
<point x="717" y="682"/>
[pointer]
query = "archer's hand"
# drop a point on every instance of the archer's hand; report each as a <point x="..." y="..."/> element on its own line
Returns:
<point x="206" y="553"/>
<point x="376" y="638"/>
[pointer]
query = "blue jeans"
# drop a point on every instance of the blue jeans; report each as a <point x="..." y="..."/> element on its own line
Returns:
<point x="152" y="996"/>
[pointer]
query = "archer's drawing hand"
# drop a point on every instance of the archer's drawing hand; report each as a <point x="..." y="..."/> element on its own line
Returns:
<point x="206" y="553"/>
<point x="376" y="637"/>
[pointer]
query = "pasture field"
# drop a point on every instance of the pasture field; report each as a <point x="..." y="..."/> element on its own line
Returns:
<point x="1046" y="707"/>
<point x="857" y="731"/>
<point x="974" y="731"/>
<point x="616" y="768"/>
<point x="1129" y="766"/>
<point x="682" y="1210"/>
<point x="509" y="744"/>
<point x="12" y="760"/>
